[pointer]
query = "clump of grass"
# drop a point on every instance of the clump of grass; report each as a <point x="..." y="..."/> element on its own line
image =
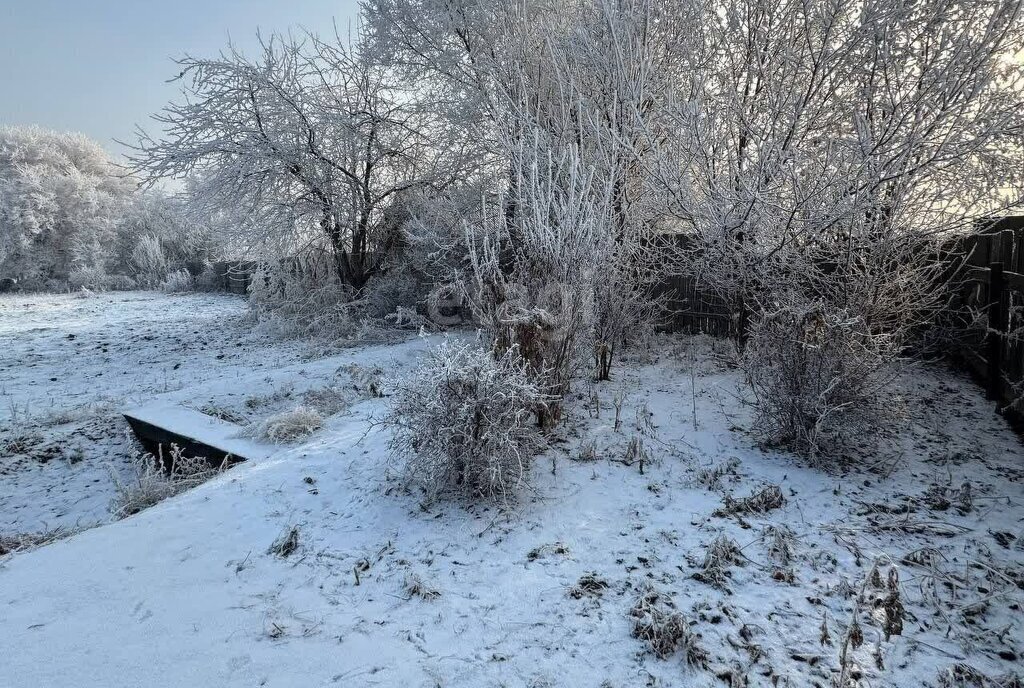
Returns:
<point x="224" y="414"/>
<point x="326" y="400"/>
<point x="158" y="478"/>
<point x="538" y="551"/>
<point x="589" y="584"/>
<point x="285" y="545"/>
<point x="22" y="542"/>
<point x="366" y="381"/>
<point x="657" y="622"/>
<point x="276" y="397"/>
<point x="78" y="414"/>
<point x="636" y="453"/>
<point x="291" y="426"/>
<point x="588" y="452"/>
<point x="721" y="555"/>
<point x="415" y="587"/>
<point x="21" y="443"/>
<point x="711" y="478"/>
<point x="764" y="500"/>
<point x="780" y="543"/>
<point x="962" y="675"/>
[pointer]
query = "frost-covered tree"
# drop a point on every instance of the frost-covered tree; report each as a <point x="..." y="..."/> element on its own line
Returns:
<point x="61" y="198"/>
<point x="308" y="132"/>
<point x="806" y="155"/>
<point x="559" y="99"/>
<point x="819" y="152"/>
<point x="822" y="147"/>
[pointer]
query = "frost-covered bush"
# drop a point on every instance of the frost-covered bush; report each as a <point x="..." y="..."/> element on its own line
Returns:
<point x="96" y="279"/>
<point x="302" y="296"/>
<point x="816" y="372"/>
<point x="208" y="280"/>
<point x="178" y="281"/>
<point x="149" y="262"/>
<point x="463" y="422"/>
<point x="623" y="313"/>
<point x="533" y="284"/>
<point x="389" y="291"/>
<point x="290" y="426"/>
<point x="160" y="235"/>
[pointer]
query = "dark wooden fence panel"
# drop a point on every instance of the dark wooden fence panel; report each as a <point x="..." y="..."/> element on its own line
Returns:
<point x="690" y="307"/>
<point x="991" y="285"/>
<point x="235" y="275"/>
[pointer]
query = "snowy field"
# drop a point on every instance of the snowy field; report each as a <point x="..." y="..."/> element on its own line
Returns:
<point x="69" y="362"/>
<point x="383" y="590"/>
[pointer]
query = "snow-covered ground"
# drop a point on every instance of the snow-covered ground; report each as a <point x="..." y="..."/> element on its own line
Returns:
<point x="383" y="590"/>
<point x="70" y="362"/>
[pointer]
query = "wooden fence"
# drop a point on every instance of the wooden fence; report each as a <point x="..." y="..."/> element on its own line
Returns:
<point x="235" y="275"/>
<point x="990" y="284"/>
<point x="690" y="307"/>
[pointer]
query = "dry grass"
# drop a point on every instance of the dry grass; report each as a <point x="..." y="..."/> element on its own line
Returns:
<point x="657" y="622"/>
<point x="589" y="585"/>
<point x="760" y="502"/>
<point x="539" y="551"/>
<point x="158" y="478"/>
<point x="711" y="478"/>
<point x="721" y="555"/>
<point x="291" y="426"/>
<point x="962" y="675"/>
<point x="415" y="587"/>
<point x="23" y="542"/>
<point x="285" y="545"/>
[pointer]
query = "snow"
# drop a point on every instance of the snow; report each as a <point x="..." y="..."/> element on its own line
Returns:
<point x="70" y="362"/>
<point x="187" y="593"/>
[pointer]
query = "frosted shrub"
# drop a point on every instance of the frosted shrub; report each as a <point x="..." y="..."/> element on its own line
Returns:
<point x="178" y="281"/>
<point x="621" y="311"/>
<point x="304" y="296"/>
<point x="533" y="285"/>
<point x="291" y="426"/>
<point x="816" y="372"/>
<point x="397" y="288"/>
<point x="94" y="279"/>
<point x="463" y="421"/>
<point x="149" y="261"/>
<point x="208" y="280"/>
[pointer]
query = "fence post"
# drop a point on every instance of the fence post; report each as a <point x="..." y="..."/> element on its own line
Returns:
<point x="996" y="327"/>
<point x="1006" y="240"/>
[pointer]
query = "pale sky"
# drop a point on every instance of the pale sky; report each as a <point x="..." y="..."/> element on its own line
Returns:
<point x="101" y="66"/>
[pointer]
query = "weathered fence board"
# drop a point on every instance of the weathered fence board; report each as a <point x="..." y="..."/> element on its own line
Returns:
<point x="991" y="286"/>
<point x="691" y="307"/>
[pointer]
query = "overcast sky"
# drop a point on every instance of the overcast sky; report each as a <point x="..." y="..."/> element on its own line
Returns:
<point x="101" y="66"/>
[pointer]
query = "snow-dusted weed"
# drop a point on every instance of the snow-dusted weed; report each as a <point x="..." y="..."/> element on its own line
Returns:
<point x="157" y="479"/>
<point x="290" y="426"/>
<point x="721" y="555"/>
<point x="415" y="587"/>
<point x="657" y="622"/>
